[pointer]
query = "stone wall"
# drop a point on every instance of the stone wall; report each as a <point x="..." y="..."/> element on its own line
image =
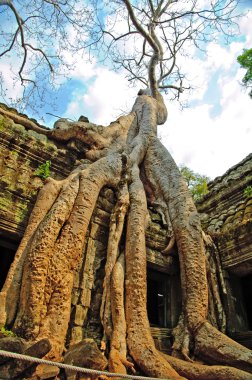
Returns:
<point x="227" y="216"/>
<point x="21" y="153"/>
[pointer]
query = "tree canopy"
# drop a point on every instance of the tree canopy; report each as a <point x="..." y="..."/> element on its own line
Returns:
<point x="146" y="39"/>
<point x="197" y="183"/>
<point x="245" y="60"/>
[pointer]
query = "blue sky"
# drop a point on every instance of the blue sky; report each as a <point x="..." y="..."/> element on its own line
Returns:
<point x="211" y="135"/>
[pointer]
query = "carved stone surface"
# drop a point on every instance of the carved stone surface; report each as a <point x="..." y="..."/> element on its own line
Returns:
<point x="21" y="153"/>
<point x="227" y="216"/>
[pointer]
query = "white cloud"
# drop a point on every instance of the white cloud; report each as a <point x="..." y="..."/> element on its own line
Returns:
<point x="212" y="144"/>
<point x="222" y="56"/>
<point x="10" y="85"/>
<point x="245" y="29"/>
<point x="105" y="99"/>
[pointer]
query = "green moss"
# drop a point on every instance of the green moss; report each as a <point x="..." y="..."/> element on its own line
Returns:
<point x="5" y="202"/>
<point x="16" y="210"/>
<point x="51" y="146"/>
<point x="14" y="153"/>
<point x="19" y="129"/>
<point x="6" y="332"/>
<point x="4" y="123"/>
<point x="21" y="212"/>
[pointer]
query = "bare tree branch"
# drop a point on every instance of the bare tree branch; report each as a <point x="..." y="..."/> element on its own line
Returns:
<point x="152" y="37"/>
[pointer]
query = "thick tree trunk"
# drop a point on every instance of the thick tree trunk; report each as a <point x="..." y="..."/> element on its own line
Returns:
<point x="54" y="253"/>
<point x="53" y="244"/>
<point x="9" y="296"/>
<point x="139" y="339"/>
<point x="163" y="173"/>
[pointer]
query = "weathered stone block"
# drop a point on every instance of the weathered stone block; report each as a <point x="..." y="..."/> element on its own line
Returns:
<point x="16" y="367"/>
<point x="11" y="344"/>
<point x="80" y="315"/>
<point x="45" y="371"/>
<point x="85" y="297"/>
<point x="85" y="354"/>
<point x="77" y="334"/>
<point x="75" y="296"/>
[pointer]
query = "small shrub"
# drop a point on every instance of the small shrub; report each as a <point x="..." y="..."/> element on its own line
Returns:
<point x="248" y="191"/>
<point x="43" y="170"/>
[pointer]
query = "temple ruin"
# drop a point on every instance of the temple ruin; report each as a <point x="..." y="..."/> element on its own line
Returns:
<point x="226" y="214"/>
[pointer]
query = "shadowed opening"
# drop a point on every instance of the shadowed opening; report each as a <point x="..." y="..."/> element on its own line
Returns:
<point x="7" y="253"/>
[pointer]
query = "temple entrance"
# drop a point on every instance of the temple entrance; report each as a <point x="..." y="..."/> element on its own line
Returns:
<point x="157" y="298"/>
<point x="7" y="253"/>
<point x="163" y="299"/>
<point x="246" y="283"/>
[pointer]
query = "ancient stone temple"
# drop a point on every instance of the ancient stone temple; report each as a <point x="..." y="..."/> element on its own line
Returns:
<point x="226" y="213"/>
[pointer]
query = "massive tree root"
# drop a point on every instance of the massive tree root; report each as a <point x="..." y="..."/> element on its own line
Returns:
<point x="128" y="157"/>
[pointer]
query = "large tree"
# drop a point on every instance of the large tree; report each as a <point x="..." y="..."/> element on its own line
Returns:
<point x="245" y="60"/>
<point x="128" y="157"/>
<point x="197" y="183"/>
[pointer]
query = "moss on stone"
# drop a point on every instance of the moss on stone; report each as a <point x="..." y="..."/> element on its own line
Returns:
<point x="20" y="212"/>
<point x="5" y="201"/>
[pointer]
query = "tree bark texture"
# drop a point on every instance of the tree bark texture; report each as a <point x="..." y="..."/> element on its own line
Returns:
<point x="128" y="157"/>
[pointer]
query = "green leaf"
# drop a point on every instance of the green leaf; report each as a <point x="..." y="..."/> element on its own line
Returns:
<point x="245" y="60"/>
<point x="248" y="192"/>
<point x="196" y="182"/>
<point x="43" y="171"/>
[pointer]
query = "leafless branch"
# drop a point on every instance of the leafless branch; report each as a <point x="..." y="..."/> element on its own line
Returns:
<point x="148" y="45"/>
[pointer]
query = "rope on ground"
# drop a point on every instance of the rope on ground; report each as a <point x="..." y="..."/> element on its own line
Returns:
<point x="32" y="359"/>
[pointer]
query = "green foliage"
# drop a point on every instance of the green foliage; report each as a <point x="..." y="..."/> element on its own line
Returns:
<point x="196" y="183"/>
<point x="14" y="153"/>
<point x="248" y="191"/>
<point x="6" y="332"/>
<point x="43" y="170"/>
<point x="245" y="60"/>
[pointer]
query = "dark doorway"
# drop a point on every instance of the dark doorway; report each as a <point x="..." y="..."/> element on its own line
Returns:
<point x="7" y="253"/>
<point x="157" y="298"/>
<point x="246" y="283"/>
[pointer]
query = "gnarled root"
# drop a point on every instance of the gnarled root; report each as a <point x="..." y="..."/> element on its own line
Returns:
<point x="55" y="252"/>
<point x="9" y="295"/>
<point x="161" y="168"/>
<point x="27" y="123"/>
<point x="115" y="233"/>
<point x="216" y="313"/>
<point x="38" y="257"/>
<point x="118" y="348"/>
<point x="196" y="371"/>
<point x="140" y="342"/>
<point x="167" y="250"/>
<point x="181" y="344"/>
<point x="214" y="347"/>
